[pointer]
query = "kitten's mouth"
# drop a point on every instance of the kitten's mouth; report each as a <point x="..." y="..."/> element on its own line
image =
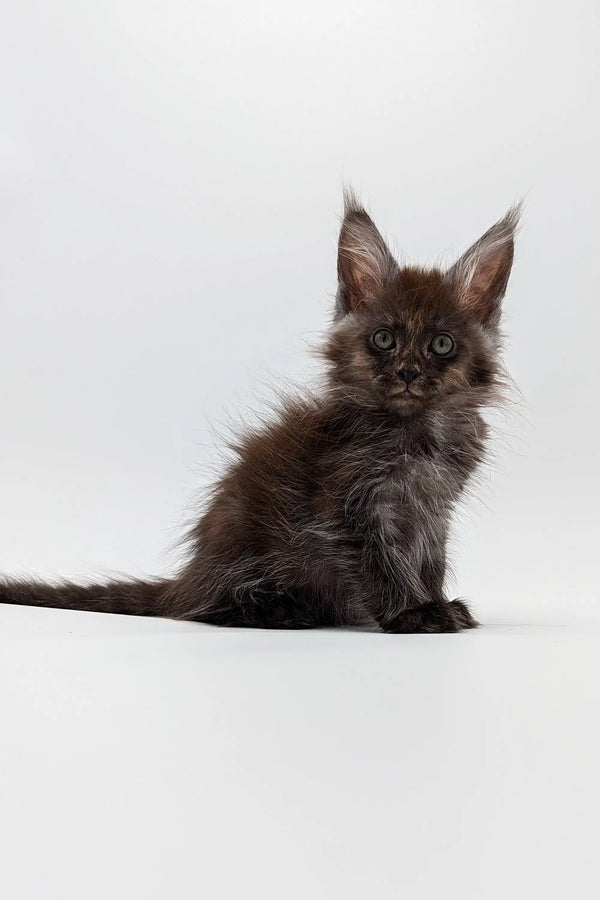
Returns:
<point x="407" y="394"/>
<point x="403" y="396"/>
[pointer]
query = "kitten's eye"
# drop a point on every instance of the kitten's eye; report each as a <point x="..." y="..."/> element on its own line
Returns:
<point x="384" y="339"/>
<point x="442" y="344"/>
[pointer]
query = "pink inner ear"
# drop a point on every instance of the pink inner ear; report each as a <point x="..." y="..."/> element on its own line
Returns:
<point x="484" y="277"/>
<point x="479" y="295"/>
<point x="367" y="277"/>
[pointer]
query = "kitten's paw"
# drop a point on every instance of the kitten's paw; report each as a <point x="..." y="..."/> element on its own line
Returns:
<point x="432" y="618"/>
<point x="463" y="615"/>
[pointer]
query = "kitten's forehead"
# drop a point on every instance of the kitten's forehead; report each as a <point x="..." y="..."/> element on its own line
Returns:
<point x="417" y="297"/>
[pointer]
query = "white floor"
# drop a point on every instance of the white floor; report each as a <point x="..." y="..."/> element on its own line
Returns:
<point x="152" y="759"/>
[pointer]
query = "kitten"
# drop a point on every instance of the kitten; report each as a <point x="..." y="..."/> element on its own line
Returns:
<point x="337" y="513"/>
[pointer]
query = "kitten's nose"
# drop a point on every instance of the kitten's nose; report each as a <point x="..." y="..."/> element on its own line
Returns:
<point x="408" y="375"/>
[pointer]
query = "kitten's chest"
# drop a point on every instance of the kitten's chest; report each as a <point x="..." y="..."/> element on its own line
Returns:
<point x="389" y="478"/>
<point x="415" y="486"/>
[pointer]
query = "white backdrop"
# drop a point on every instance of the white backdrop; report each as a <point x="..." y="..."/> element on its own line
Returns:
<point x="170" y="185"/>
<point x="170" y="182"/>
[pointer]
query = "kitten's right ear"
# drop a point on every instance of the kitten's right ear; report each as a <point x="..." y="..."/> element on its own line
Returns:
<point x="364" y="262"/>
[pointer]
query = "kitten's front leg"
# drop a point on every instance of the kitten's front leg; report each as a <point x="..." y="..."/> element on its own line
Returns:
<point x="420" y="606"/>
<point x="433" y="574"/>
<point x="436" y="614"/>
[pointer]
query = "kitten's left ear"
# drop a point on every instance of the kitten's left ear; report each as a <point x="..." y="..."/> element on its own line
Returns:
<point x="480" y="276"/>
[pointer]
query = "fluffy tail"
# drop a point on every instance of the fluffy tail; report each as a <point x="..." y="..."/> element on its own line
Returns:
<point x="132" y="598"/>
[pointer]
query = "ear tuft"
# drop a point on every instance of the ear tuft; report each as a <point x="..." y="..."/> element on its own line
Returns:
<point x="365" y="263"/>
<point x="480" y="276"/>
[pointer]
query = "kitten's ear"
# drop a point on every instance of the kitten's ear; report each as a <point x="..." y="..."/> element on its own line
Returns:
<point x="364" y="262"/>
<point x="480" y="276"/>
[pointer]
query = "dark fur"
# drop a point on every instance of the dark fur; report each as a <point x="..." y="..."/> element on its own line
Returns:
<point x="337" y="513"/>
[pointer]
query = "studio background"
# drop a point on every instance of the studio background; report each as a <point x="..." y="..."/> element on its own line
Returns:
<point x="171" y="177"/>
<point x="170" y="187"/>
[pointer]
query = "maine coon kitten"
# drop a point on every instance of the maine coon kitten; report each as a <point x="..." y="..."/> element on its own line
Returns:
<point x="337" y="513"/>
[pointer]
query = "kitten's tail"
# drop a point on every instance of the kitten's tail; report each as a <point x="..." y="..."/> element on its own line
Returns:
<point x="132" y="598"/>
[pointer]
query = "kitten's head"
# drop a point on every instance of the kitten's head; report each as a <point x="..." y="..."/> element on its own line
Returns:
<point x="409" y="339"/>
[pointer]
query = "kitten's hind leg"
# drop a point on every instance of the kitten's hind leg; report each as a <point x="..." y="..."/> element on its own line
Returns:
<point x="276" y="607"/>
<point x="432" y="618"/>
<point x="266" y="607"/>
